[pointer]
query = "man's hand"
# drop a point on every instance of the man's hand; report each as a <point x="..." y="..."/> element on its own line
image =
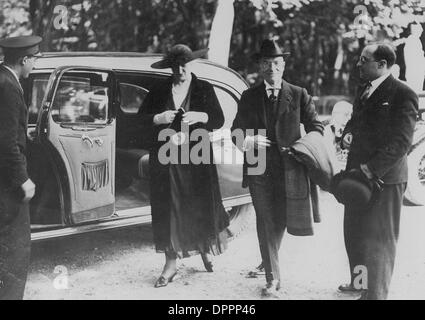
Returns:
<point x="166" y="117"/>
<point x="293" y="155"/>
<point x="193" y="117"/>
<point x="29" y="190"/>
<point x="347" y="140"/>
<point x="258" y="142"/>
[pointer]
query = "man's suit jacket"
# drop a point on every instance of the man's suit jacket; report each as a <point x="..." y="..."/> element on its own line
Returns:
<point x="296" y="107"/>
<point x="13" y="128"/>
<point x="382" y="129"/>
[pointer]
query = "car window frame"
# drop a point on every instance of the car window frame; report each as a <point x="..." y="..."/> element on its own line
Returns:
<point x="215" y="83"/>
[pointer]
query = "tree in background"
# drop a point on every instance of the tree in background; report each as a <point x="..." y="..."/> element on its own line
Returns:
<point x="14" y="18"/>
<point x="324" y="36"/>
<point x="124" y="25"/>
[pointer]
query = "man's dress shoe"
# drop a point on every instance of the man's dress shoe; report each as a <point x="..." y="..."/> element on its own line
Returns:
<point x="349" y="288"/>
<point x="271" y="289"/>
<point x="259" y="271"/>
<point x="363" y="296"/>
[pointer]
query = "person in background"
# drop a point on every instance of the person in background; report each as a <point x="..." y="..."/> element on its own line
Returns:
<point x="341" y="114"/>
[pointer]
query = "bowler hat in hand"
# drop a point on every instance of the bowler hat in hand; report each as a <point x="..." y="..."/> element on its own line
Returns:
<point x="180" y="54"/>
<point x="270" y="49"/>
<point x="353" y="188"/>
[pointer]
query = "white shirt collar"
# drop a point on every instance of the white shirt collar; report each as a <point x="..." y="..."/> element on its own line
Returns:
<point x="377" y="82"/>
<point x="277" y="86"/>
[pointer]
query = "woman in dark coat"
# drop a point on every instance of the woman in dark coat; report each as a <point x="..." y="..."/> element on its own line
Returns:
<point x="188" y="216"/>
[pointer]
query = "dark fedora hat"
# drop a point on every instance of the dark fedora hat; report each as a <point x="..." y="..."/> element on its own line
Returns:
<point x="353" y="188"/>
<point x="179" y="54"/>
<point x="270" y="49"/>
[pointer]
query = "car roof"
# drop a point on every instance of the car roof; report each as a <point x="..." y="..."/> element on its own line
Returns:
<point x="138" y="62"/>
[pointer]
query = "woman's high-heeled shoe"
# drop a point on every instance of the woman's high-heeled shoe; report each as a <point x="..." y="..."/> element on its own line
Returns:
<point x="163" y="282"/>
<point x="207" y="263"/>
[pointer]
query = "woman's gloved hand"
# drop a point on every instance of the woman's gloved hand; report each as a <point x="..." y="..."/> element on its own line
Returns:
<point x="193" y="117"/>
<point x="166" y="117"/>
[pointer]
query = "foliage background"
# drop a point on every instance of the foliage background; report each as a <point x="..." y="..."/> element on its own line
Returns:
<point x="321" y="35"/>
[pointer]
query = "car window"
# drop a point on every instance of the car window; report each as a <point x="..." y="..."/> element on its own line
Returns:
<point x="422" y="106"/>
<point x="37" y="91"/>
<point x="134" y="88"/>
<point x="82" y="99"/>
<point x="229" y="105"/>
<point x="132" y="97"/>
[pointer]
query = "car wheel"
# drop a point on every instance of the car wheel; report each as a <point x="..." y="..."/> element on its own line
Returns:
<point x="415" y="193"/>
<point x="240" y="217"/>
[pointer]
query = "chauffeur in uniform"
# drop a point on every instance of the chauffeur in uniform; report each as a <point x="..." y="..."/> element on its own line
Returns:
<point x="379" y="136"/>
<point x="281" y="194"/>
<point x="16" y="189"/>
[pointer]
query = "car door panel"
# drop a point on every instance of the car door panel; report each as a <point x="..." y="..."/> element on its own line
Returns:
<point x="79" y="123"/>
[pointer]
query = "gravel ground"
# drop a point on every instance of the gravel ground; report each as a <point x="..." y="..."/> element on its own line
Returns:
<point x="121" y="264"/>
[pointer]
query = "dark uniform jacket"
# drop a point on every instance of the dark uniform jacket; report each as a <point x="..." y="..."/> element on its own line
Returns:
<point x="382" y="129"/>
<point x="15" y="234"/>
<point x="13" y="128"/>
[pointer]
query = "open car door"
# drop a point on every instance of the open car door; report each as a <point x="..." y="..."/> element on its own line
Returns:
<point x="78" y="121"/>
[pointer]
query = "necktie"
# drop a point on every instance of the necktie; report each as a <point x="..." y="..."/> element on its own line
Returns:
<point x="366" y="91"/>
<point x="272" y="95"/>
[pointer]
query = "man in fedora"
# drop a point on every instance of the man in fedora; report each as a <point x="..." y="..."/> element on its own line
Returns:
<point x="281" y="195"/>
<point x="378" y="137"/>
<point x="16" y="189"/>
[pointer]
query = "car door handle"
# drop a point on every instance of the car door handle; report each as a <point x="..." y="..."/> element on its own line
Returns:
<point x="88" y="140"/>
<point x="99" y="141"/>
<point x="91" y="141"/>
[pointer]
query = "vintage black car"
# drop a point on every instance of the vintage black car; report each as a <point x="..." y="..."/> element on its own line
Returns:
<point x="84" y="155"/>
<point x="86" y="160"/>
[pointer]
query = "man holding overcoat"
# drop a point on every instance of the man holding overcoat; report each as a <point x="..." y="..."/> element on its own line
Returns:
<point x="281" y="194"/>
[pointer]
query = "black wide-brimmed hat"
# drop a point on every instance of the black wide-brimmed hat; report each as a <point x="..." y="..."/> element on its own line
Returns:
<point x="270" y="49"/>
<point x="353" y="188"/>
<point x="21" y="46"/>
<point x="180" y="54"/>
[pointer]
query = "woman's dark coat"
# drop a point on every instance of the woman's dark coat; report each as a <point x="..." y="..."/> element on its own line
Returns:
<point x="197" y="225"/>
